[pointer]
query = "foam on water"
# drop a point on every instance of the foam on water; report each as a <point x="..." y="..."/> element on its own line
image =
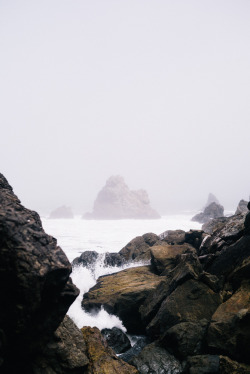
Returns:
<point x="77" y="235"/>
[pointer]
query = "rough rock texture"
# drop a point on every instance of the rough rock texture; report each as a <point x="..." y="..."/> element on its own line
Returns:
<point x="203" y="364"/>
<point x="102" y="358"/>
<point x="185" y="338"/>
<point x="117" y="201"/>
<point x="228" y="366"/>
<point x="116" y="339"/>
<point x="141" y="342"/>
<point x="211" y="211"/>
<point x="87" y="259"/>
<point x="163" y="257"/>
<point x="122" y="294"/>
<point x="190" y="302"/>
<point x="64" y="353"/>
<point x="139" y="248"/>
<point x="229" y="330"/>
<point x="242" y="207"/>
<point x="173" y="236"/>
<point x="36" y="290"/>
<point x="154" y="359"/>
<point x="62" y="212"/>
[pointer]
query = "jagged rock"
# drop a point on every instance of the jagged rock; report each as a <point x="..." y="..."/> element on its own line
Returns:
<point x="212" y="211"/>
<point x="229" y="331"/>
<point x="122" y="294"/>
<point x="117" y="201"/>
<point x="102" y="358"/>
<point x="185" y="339"/>
<point x="36" y="290"/>
<point x="64" y="353"/>
<point x="242" y="207"/>
<point x="190" y="302"/>
<point x="139" y="247"/>
<point x="195" y="238"/>
<point x="155" y="359"/>
<point x="114" y="259"/>
<point x="211" y="199"/>
<point x="87" y="259"/>
<point x="116" y="339"/>
<point x="163" y="257"/>
<point x="173" y="236"/>
<point x="141" y="342"/>
<point x="223" y="233"/>
<point x="233" y="262"/>
<point x="228" y="366"/>
<point x="62" y="212"/>
<point x="203" y="364"/>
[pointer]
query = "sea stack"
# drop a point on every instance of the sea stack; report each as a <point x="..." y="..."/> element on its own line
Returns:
<point x="117" y="201"/>
<point x="62" y="212"/>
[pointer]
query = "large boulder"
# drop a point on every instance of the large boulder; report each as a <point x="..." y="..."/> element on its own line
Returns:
<point x="154" y="359"/>
<point x="229" y="331"/>
<point x="62" y="212"/>
<point x="66" y="352"/>
<point x="117" y="201"/>
<point x="139" y="248"/>
<point x="214" y="210"/>
<point x="164" y="256"/>
<point x="116" y="339"/>
<point x="102" y="358"/>
<point x="192" y="301"/>
<point x="242" y="207"/>
<point x="122" y="294"/>
<point x="36" y="289"/>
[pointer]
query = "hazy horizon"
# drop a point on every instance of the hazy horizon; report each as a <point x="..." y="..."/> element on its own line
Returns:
<point x="157" y="92"/>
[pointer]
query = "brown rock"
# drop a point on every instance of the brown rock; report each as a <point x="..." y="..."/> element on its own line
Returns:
<point x="139" y="247"/>
<point x="122" y="294"/>
<point x="190" y="302"/>
<point x="229" y="331"/>
<point x="102" y="358"/>
<point x="228" y="366"/>
<point x="173" y="236"/>
<point x="163" y="257"/>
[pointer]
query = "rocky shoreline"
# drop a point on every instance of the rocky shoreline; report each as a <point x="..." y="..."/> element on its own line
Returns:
<point x="191" y="302"/>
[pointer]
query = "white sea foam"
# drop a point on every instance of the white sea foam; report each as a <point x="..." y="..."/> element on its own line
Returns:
<point x="77" y="235"/>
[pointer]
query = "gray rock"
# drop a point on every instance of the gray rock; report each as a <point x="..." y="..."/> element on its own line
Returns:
<point x="117" y="201"/>
<point x="62" y="212"/>
<point x="212" y="211"/>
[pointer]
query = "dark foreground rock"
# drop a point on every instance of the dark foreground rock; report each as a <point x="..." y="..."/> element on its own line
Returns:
<point x="116" y="339"/>
<point x="117" y="201"/>
<point x="102" y="358"/>
<point x="36" y="290"/>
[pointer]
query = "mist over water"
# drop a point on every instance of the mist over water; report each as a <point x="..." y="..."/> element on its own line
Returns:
<point x="157" y="92"/>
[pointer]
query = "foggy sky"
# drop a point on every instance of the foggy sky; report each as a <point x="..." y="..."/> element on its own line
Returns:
<point x="156" y="91"/>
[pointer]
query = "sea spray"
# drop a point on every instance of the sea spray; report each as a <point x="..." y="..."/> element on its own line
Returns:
<point x="85" y="278"/>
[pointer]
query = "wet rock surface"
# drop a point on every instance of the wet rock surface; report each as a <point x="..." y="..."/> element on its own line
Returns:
<point x="102" y="358"/>
<point x="116" y="339"/>
<point x="37" y="288"/>
<point x="122" y="294"/>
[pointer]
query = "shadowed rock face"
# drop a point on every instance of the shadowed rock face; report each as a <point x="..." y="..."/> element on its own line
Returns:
<point x="36" y="290"/>
<point x="117" y="201"/>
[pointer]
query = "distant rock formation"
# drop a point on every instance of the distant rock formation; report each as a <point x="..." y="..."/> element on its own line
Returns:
<point x="211" y="199"/>
<point x="212" y="211"/>
<point x="242" y="207"/>
<point x="62" y="212"/>
<point x="117" y="201"/>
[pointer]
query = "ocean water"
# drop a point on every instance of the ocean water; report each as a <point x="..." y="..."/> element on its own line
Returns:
<point x="76" y="235"/>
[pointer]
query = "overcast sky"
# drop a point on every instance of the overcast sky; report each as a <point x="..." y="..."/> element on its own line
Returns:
<point x="156" y="91"/>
